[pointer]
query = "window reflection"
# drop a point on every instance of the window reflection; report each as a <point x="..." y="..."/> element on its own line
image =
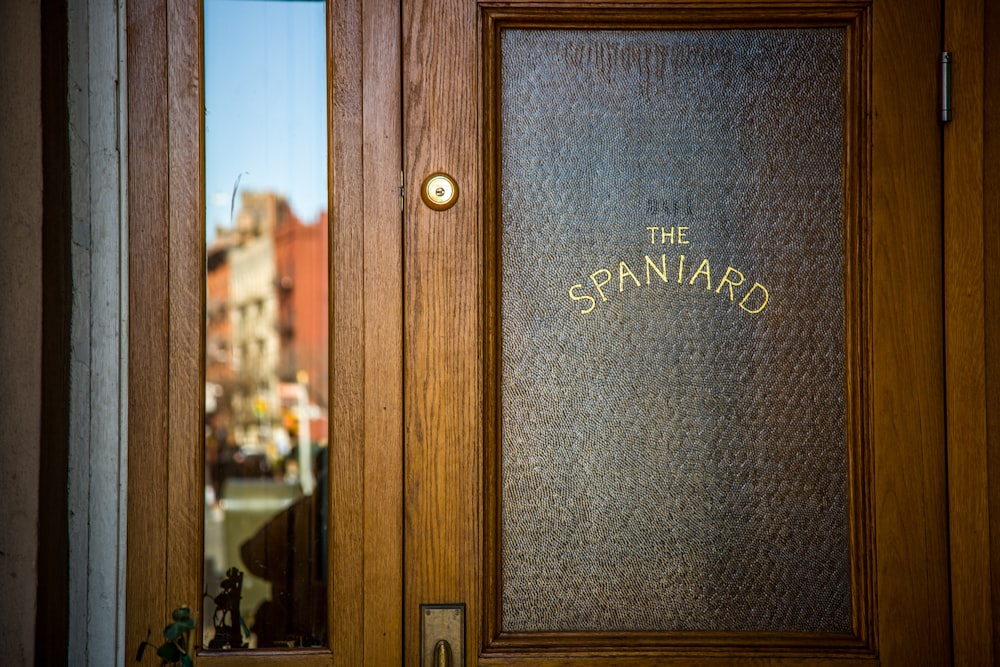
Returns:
<point x="266" y="325"/>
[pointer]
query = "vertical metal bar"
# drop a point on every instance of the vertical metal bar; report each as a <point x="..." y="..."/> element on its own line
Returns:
<point x="944" y="90"/>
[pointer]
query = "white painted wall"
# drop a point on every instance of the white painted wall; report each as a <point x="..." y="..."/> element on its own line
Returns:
<point x="97" y="447"/>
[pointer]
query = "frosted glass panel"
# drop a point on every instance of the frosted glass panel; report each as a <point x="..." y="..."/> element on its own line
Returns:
<point x="673" y="413"/>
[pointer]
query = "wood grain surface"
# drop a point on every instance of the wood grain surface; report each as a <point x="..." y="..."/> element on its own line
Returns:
<point x="910" y="492"/>
<point x="991" y="285"/>
<point x="383" y="336"/>
<point x="442" y="384"/>
<point x="146" y="584"/>
<point x="965" y="215"/>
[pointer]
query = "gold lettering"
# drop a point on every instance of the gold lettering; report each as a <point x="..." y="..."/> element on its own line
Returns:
<point x="671" y="235"/>
<point x="703" y="270"/>
<point x="623" y="270"/>
<point x="726" y="281"/>
<point x="753" y="301"/>
<point x="582" y="297"/>
<point x="763" y="304"/>
<point x="662" y="273"/>
<point x="593" y="278"/>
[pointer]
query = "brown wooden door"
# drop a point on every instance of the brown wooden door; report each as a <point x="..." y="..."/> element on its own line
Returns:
<point x="469" y="351"/>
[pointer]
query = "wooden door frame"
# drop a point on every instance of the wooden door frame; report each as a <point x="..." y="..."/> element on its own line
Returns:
<point x="971" y="169"/>
<point x="164" y="411"/>
<point x="165" y="302"/>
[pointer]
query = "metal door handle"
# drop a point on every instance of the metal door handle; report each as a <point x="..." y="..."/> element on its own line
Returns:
<point x="442" y="654"/>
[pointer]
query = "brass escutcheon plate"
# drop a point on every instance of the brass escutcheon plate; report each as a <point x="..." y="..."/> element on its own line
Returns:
<point x="442" y="621"/>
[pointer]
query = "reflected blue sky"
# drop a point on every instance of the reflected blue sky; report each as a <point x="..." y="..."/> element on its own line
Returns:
<point x="265" y="106"/>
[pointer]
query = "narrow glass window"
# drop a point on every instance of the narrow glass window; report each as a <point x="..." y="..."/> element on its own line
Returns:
<point x="266" y="325"/>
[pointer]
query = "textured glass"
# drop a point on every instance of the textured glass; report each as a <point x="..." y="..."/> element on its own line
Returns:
<point x="673" y="434"/>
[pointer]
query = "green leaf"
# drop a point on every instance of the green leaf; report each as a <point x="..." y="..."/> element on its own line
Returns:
<point x="169" y="652"/>
<point x="175" y="630"/>
<point x="181" y="614"/>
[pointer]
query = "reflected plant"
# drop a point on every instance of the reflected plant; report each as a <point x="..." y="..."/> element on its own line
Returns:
<point x="175" y="650"/>
<point x="227" y="619"/>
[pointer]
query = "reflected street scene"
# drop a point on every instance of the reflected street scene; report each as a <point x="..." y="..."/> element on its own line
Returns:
<point x="266" y="326"/>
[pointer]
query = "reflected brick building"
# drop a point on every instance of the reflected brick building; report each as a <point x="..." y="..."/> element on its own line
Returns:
<point x="267" y="318"/>
<point x="301" y="255"/>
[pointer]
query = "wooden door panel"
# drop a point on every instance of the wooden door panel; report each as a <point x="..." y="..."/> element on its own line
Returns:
<point x="910" y="502"/>
<point x="453" y="338"/>
<point x="714" y="595"/>
<point x="442" y="386"/>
